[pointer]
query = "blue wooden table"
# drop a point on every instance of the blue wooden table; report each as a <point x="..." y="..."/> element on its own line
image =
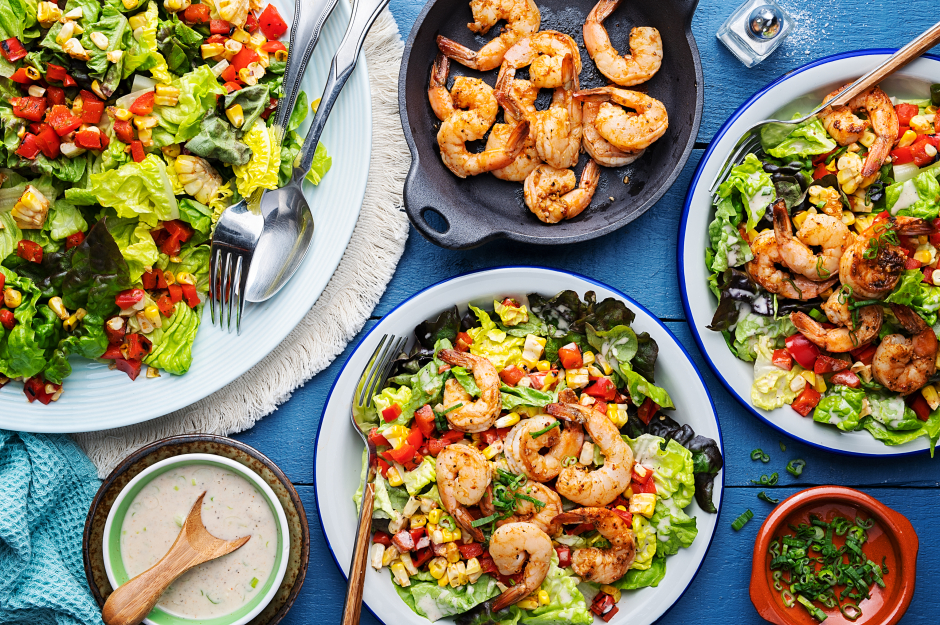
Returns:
<point x="641" y="260"/>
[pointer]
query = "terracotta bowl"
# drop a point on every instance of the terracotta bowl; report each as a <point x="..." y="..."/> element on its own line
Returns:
<point x="254" y="460"/>
<point x="892" y="537"/>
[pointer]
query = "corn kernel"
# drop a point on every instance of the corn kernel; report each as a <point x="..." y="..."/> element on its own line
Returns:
<point x="930" y="394"/>
<point x="820" y="385"/>
<point x="617" y="413"/>
<point x="799" y="218"/>
<point x="544" y="599"/>
<point x="184" y="277"/>
<point x="58" y="308"/>
<point x="400" y="574"/>
<point x="507" y="421"/>
<point x="491" y="451"/>
<point x="391" y="554"/>
<point x="434" y="516"/>
<point x="437" y="567"/>
<point x="65" y="33"/>
<point x="587" y="358"/>
<point x="809" y="376"/>
<point x="622" y="508"/>
<point x="848" y="218"/>
<point x="929" y="150"/>
<point x="457" y="574"/>
<point x="137" y="21"/>
<point x="473" y="570"/>
<point x="923" y="256"/>
<point x="47" y="14"/>
<point x="605" y="366"/>
<point x="145" y="122"/>
<point x="587" y="454"/>
<point x="577" y="378"/>
<point x="451" y="552"/>
<point x="210" y="50"/>
<point x="235" y="115"/>
<point x="643" y="504"/>
<point x="532" y="350"/>
<point x="418" y="520"/>
<point x="166" y="95"/>
<point x="257" y="40"/>
<point x="394" y="479"/>
<point x="131" y="4"/>
<point x="613" y="591"/>
<point x="907" y="139"/>
<point x="543" y="365"/>
<point x="241" y="36"/>
<point x="100" y="40"/>
<point x="437" y="536"/>
<point x="443" y="581"/>
<point x="921" y="125"/>
<point x="71" y="323"/>
<point x="409" y="564"/>
<point x="797" y="384"/>
<point x="868" y="139"/>
<point x="376" y="551"/>
<point x="529" y="603"/>
<point x="280" y="55"/>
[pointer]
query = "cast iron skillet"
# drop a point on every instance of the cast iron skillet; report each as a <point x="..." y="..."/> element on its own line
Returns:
<point x="473" y="211"/>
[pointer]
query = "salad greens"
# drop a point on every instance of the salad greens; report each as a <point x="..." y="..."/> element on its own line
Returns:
<point x="126" y="129"/>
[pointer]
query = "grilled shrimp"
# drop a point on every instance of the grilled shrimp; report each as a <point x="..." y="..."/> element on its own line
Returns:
<point x="472" y="416"/>
<point x="875" y="277"/>
<point x="517" y="97"/>
<point x="463" y="475"/>
<point x="763" y="269"/>
<point x="646" y="48"/>
<point x="629" y="131"/>
<point x="602" y="566"/>
<point x="849" y="336"/>
<point x="819" y="230"/>
<point x="522" y="19"/>
<point x="542" y="516"/>
<point x="551" y="194"/>
<point x="903" y="364"/>
<point x="600" y="149"/>
<point x="470" y="95"/>
<point x="846" y="128"/>
<point x="544" y="53"/>
<point x="524" y="454"/>
<point x="459" y="128"/>
<point x="601" y="486"/>
<point x="513" y="546"/>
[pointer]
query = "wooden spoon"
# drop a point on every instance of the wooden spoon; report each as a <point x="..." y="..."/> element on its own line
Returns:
<point x="129" y="604"/>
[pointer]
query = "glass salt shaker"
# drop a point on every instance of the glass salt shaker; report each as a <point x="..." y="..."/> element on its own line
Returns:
<point x="755" y="30"/>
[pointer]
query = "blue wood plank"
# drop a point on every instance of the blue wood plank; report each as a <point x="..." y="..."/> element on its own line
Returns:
<point x="719" y="594"/>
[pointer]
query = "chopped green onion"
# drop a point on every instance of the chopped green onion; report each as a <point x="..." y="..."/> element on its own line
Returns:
<point x="254" y="582"/>
<point x="795" y="467"/>
<point x="533" y="500"/>
<point x="447" y="523"/>
<point x="782" y="446"/>
<point x="548" y="429"/>
<point x="758" y="454"/>
<point x="788" y="599"/>
<point x="569" y="461"/>
<point x="765" y="497"/>
<point x="765" y="480"/>
<point x="485" y="520"/>
<point x="850" y="611"/>
<point x="742" y="520"/>
<point x="867" y="525"/>
<point x="815" y="612"/>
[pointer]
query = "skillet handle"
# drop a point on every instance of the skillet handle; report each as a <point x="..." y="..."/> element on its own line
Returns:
<point x="686" y="9"/>
<point x="460" y="233"/>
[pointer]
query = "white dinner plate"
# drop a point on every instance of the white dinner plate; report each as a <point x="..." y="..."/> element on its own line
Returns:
<point x="338" y="459"/>
<point x="96" y="398"/>
<point x="801" y="90"/>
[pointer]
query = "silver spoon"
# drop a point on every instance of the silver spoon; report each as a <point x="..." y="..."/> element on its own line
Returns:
<point x="288" y="223"/>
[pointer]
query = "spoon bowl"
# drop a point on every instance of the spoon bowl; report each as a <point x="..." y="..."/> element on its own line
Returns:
<point x="288" y="231"/>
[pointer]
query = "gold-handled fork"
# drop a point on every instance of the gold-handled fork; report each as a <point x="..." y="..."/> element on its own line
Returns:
<point x="370" y="382"/>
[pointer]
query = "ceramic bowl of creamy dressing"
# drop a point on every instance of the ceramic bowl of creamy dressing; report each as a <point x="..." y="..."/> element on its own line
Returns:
<point x="147" y="517"/>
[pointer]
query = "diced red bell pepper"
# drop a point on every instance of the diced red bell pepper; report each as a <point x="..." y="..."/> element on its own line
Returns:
<point x="272" y="104"/>
<point x="803" y="350"/>
<point x="3" y="281"/>
<point x="69" y="82"/>
<point x="7" y="320"/>
<point x="623" y="514"/>
<point x="178" y="229"/>
<point x="115" y="328"/>
<point x="905" y="113"/>
<point x="473" y="550"/>
<point x="424" y="419"/>
<point x="511" y="375"/>
<point x="435" y="446"/>
<point x="377" y="439"/>
<point x="602" y="604"/>
<point x="382" y="538"/>
<point x="403" y="541"/>
<point x="807" y="401"/>
<point x="820" y="171"/>
<point x="251" y="24"/>
<point x="35" y="390"/>
<point x="92" y="107"/>
<point x="29" y="107"/>
<point x="29" y="148"/>
<point x="130" y="297"/>
<point x="487" y="565"/>
<point x="919" y="150"/>
<point x="383" y="467"/>
<point x="570" y="356"/>
<point x="782" y="359"/>
<point x="245" y="56"/>
<point x="537" y="380"/>
<point x="603" y="388"/>
<point x="401" y="455"/>
<point x="274" y="46"/>
<point x="577" y="530"/>
<point x="130" y="367"/>
<point x="912" y="263"/>
<point x="600" y="406"/>
<point x="217" y="39"/>
<point x="166" y="306"/>
<point x="20" y="76"/>
<point x="48" y="142"/>
<point x="229" y="74"/>
<point x="113" y="352"/>
<point x="272" y="24"/>
<point x="124" y="130"/>
<point x="137" y="151"/>
<point x="864" y="354"/>
<point x="232" y="86"/>
<point x="901" y="156"/>
<point x="564" y="556"/>
<point x="176" y="293"/>
<point x="920" y="406"/>
<point x="490" y="436"/>
<point x="88" y="139"/>
<point x="646" y="410"/>
<point x="143" y="105"/>
<point x="219" y="27"/>
<point x="846" y="378"/>
<point x="196" y="14"/>
<point x="55" y="72"/>
<point x="190" y="295"/>
<point x="463" y="342"/>
<point x="29" y="251"/>
<point x="153" y="279"/>
<point x="391" y="413"/>
<point x="649" y="486"/>
<point x="610" y="614"/>
<point x="62" y="120"/>
<point x="411" y="465"/>
<point x="55" y="95"/>
<point x="415" y="438"/>
<point x="135" y="347"/>
<point x="74" y="240"/>
<point x="12" y="50"/>
<point x="422" y="555"/>
<point x="828" y="364"/>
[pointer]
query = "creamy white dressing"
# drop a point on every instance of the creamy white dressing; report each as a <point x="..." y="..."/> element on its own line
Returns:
<point x="232" y="508"/>
<point x="907" y="198"/>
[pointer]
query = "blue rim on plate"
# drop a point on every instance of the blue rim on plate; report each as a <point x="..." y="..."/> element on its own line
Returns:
<point x="716" y="139"/>
<point x="619" y="293"/>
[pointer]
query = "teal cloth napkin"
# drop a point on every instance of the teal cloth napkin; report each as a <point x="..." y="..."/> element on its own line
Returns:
<point x="46" y="488"/>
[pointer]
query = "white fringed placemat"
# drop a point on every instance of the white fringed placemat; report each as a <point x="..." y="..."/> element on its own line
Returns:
<point x="352" y="294"/>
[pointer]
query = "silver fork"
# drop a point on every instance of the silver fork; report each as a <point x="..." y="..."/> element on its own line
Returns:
<point x="372" y="379"/>
<point x="772" y="131"/>
<point x="239" y="229"/>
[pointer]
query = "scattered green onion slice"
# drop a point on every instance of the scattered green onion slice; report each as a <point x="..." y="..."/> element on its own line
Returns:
<point x="569" y="461"/>
<point x="538" y="504"/>
<point x="742" y="520"/>
<point x="485" y="520"/>
<point x="448" y="523"/>
<point x="795" y="467"/>
<point x="765" y="497"/>
<point x="770" y="480"/>
<point x="758" y="454"/>
<point x="548" y="429"/>
<point x="254" y="582"/>
<point x="782" y="446"/>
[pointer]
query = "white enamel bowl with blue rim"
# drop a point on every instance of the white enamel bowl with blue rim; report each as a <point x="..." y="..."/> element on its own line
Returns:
<point x="338" y="460"/>
<point x="267" y="588"/>
<point x="96" y="398"/>
<point x="800" y="90"/>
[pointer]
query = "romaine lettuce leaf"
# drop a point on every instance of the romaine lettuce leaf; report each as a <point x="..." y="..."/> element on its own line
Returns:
<point x="134" y="190"/>
<point x="465" y="378"/>
<point x="751" y="327"/>
<point x="424" y="474"/>
<point x="494" y="344"/>
<point x="261" y="171"/>
<point x="21" y="354"/>
<point x="672" y="467"/>
<point x="217" y="139"/>
<point x="429" y="599"/>
<point x="919" y="197"/>
<point x="892" y="412"/>
<point x="142" y="53"/>
<point x="913" y="291"/>
<point x="929" y="429"/>
<point x="198" y="90"/>
<point x="841" y="407"/>
<point x="617" y="345"/>
<point x="636" y="579"/>
<point x="173" y="343"/>
<point x="566" y="603"/>
<point x="645" y="536"/>
<point x="10" y="235"/>
<point x="63" y="221"/>
<point x="729" y="249"/>
<point x="674" y="528"/>
<point x="750" y="185"/>
<point x="179" y="45"/>
<point x="136" y="245"/>
<point x="515" y="396"/>
<point x="114" y="26"/>
<point x="511" y="315"/>
<point x="641" y="388"/>
<point x="771" y="388"/>
<point x="808" y="139"/>
<point x="196" y="215"/>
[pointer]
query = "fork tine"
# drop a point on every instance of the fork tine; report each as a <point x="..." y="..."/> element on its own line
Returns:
<point x="368" y="371"/>
<point x="746" y="145"/>
<point x="377" y="371"/>
<point x="241" y="279"/>
<point x="225" y="303"/>
<point x="213" y="286"/>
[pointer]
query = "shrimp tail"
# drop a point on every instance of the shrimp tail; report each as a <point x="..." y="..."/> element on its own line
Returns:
<point x="566" y="412"/>
<point x="783" y="228"/>
<point x="568" y="517"/>
<point x="876" y="157"/>
<point x="910" y="320"/>
<point x="457" y="52"/>
<point x="465" y="519"/>
<point x="454" y="358"/>
<point x="912" y="226"/>
<point x="598" y="94"/>
<point x="509" y="597"/>
<point x="440" y="71"/>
